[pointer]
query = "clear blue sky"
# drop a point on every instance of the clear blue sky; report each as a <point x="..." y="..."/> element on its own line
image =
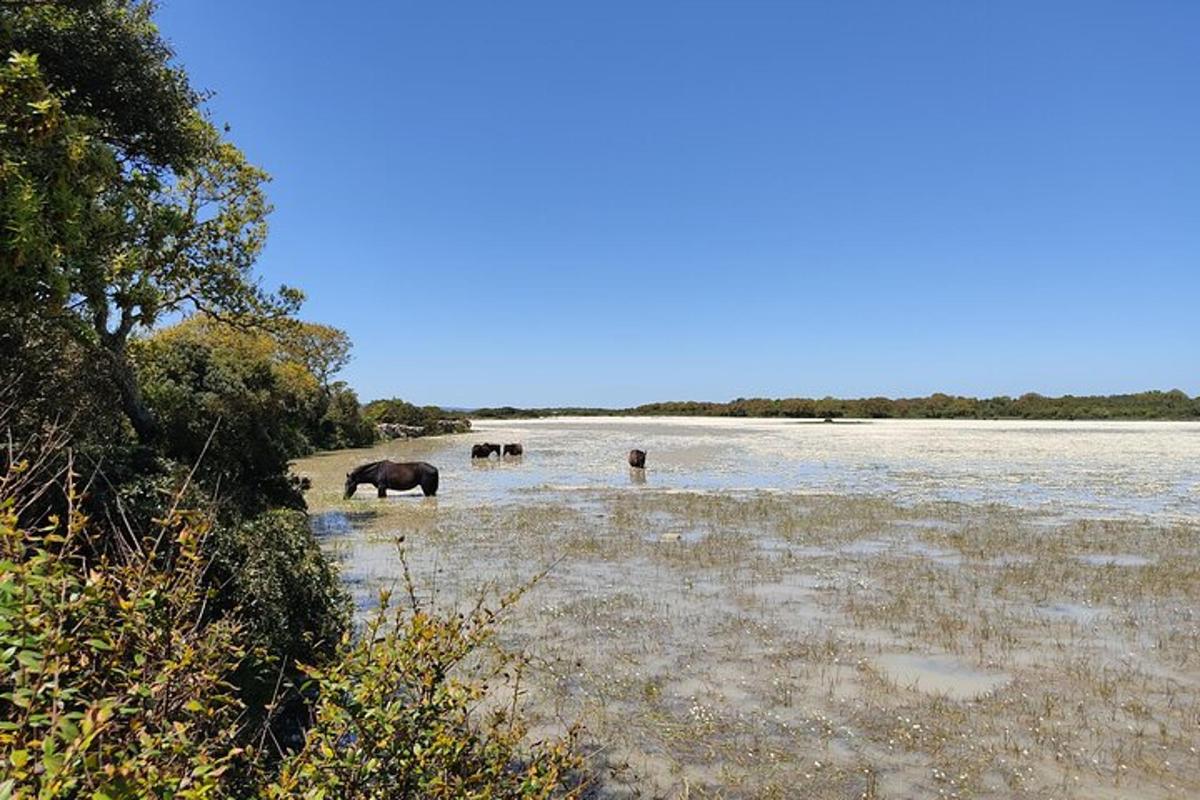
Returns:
<point x="609" y="203"/>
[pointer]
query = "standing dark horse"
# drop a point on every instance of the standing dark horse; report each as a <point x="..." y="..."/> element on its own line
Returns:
<point x="384" y="475"/>
<point x="637" y="459"/>
<point x="484" y="450"/>
<point x="513" y="450"/>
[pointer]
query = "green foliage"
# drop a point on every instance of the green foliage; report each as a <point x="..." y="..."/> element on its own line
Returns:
<point x="120" y="674"/>
<point x="1174" y="404"/>
<point x="274" y="577"/>
<point x="112" y="682"/>
<point x="293" y="601"/>
<point x="228" y="395"/>
<point x="397" y="718"/>
<point x="46" y="375"/>
<point x="111" y="62"/>
<point x="322" y="349"/>
<point x="246" y="400"/>
<point x="51" y="170"/>
<point x="395" y="410"/>
<point x="343" y="424"/>
<point x="267" y="571"/>
<point x="120" y="203"/>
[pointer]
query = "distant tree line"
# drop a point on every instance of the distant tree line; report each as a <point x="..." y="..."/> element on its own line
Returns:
<point x="1152" y="405"/>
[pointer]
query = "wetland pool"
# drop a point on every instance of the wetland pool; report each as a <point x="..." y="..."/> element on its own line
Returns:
<point x="781" y="608"/>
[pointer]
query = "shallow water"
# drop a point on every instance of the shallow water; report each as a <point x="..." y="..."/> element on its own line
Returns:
<point x="771" y="595"/>
<point x="939" y="675"/>
<point x="1085" y="468"/>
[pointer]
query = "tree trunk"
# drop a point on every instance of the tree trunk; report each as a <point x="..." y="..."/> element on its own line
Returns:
<point x="134" y="406"/>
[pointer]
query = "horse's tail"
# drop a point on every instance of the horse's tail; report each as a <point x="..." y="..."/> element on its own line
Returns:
<point x="429" y="482"/>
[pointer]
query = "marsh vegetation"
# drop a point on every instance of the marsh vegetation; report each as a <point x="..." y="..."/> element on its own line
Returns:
<point x="967" y="611"/>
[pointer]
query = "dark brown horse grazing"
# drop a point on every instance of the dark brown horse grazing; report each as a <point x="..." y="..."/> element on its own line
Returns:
<point x="384" y="475"/>
<point x="484" y="450"/>
<point x="513" y="450"/>
<point x="637" y="459"/>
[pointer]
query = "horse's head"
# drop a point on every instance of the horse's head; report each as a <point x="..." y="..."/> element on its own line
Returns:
<point x="351" y="485"/>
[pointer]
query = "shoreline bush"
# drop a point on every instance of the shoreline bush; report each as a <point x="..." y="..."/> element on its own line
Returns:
<point x="119" y="680"/>
<point x="430" y="419"/>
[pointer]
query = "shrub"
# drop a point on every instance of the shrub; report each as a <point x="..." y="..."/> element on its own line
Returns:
<point x="165" y="661"/>
<point x="224" y="394"/>
<point x="271" y="574"/>
<point x="119" y="678"/>
<point x="112" y="682"/>
<point x="401" y="412"/>
<point x="343" y="424"/>
<point x="395" y="718"/>
<point x="272" y="571"/>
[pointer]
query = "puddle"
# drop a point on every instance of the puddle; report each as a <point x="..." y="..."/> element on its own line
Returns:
<point x="330" y="523"/>
<point x="1114" y="560"/>
<point x="940" y="675"/>
<point x="1070" y="612"/>
<point x="938" y="555"/>
<point x="682" y="537"/>
<point x="1009" y="560"/>
<point x="865" y="547"/>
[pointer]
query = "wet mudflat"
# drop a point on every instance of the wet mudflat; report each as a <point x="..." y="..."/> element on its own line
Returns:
<point x="773" y="609"/>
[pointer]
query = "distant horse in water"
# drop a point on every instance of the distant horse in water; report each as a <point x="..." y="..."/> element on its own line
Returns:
<point x="513" y="450"/>
<point x="637" y="459"/>
<point x="484" y="450"/>
<point x="384" y="475"/>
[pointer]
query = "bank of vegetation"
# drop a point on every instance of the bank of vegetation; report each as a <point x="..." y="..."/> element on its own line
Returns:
<point x="169" y="626"/>
<point x="1152" y="405"/>
<point x="394" y="417"/>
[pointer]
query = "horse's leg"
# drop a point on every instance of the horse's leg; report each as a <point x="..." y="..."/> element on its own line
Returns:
<point x="382" y="487"/>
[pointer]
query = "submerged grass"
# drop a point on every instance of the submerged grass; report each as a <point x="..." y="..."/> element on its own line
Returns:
<point x="763" y="644"/>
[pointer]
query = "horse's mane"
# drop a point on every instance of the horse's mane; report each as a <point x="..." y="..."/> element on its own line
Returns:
<point x="367" y="468"/>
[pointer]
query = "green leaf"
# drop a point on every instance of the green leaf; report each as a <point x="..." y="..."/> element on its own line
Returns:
<point x="30" y="660"/>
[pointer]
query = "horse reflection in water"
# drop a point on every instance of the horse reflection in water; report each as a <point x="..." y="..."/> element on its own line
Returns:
<point x="637" y="476"/>
<point x="384" y="475"/>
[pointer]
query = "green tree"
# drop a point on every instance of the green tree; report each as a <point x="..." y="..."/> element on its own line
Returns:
<point x="115" y="69"/>
<point x="322" y="349"/>
<point x="344" y="424"/>
<point x="248" y="401"/>
<point x="230" y="396"/>
<point x="121" y="204"/>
